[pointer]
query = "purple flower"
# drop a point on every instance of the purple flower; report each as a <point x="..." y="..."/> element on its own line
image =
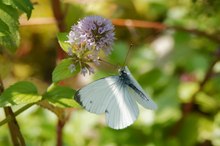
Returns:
<point x="94" y="32"/>
<point x="88" y="38"/>
<point x="72" y="68"/>
<point x="86" y="70"/>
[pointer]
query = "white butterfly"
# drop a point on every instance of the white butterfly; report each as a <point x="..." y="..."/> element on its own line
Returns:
<point x="117" y="97"/>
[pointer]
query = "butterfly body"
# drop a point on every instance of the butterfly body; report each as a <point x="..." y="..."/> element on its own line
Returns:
<point x="117" y="97"/>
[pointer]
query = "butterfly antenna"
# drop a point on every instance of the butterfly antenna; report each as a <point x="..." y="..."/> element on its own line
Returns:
<point x="131" y="45"/>
<point x="106" y="62"/>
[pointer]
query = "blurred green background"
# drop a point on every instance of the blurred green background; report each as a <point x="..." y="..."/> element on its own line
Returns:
<point x="171" y="65"/>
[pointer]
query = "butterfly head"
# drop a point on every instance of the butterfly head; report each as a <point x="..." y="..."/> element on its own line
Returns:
<point x="124" y="70"/>
<point x="121" y="70"/>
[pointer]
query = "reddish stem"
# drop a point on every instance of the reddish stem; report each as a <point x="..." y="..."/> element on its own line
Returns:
<point x="14" y="129"/>
<point x="60" y="126"/>
<point x="189" y="107"/>
<point x="59" y="16"/>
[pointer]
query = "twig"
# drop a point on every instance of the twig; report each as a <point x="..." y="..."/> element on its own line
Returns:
<point x="213" y="37"/>
<point x="161" y="26"/>
<point x="9" y="118"/>
<point x="62" y="118"/>
<point x="122" y="22"/>
<point x="138" y="23"/>
<point x="60" y="125"/>
<point x="36" y="21"/>
<point x="207" y="76"/>
<point x="189" y="107"/>
<point x="56" y="110"/>
<point x="1" y="86"/>
<point x="14" y="129"/>
<point x="59" y="16"/>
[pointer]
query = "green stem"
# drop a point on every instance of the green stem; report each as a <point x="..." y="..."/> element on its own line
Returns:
<point x="9" y="118"/>
<point x="51" y="87"/>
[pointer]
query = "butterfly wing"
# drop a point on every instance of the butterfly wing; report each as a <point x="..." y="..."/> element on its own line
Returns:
<point x="95" y="96"/>
<point x="109" y="96"/>
<point x="142" y="98"/>
<point x="122" y="110"/>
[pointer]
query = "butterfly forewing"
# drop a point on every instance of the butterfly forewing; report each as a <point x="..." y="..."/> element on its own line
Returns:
<point x="95" y="97"/>
<point x="146" y="101"/>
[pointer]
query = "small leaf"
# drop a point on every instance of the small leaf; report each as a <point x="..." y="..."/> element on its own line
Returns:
<point x="61" y="97"/>
<point x="19" y="93"/>
<point x="63" y="71"/>
<point x="62" y="38"/>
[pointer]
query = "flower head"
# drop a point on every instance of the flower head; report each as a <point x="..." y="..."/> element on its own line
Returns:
<point x="72" y="68"/>
<point x="90" y="36"/>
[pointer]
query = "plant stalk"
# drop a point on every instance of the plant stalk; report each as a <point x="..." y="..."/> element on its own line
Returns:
<point x="14" y="129"/>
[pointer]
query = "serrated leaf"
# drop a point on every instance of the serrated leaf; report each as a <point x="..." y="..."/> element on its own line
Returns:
<point x="19" y="93"/>
<point x="4" y="29"/>
<point x="61" y="96"/>
<point x="22" y="5"/>
<point x="62" y="70"/>
<point x="62" y="38"/>
<point x="9" y="20"/>
<point x="25" y="6"/>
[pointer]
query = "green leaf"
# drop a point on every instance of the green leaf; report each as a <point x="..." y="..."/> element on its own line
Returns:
<point x="62" y="38"/>
<point x="25" y="6"/>
<point x="61" y="97"/>
<point x="4" y="29"/>
<point x="62" y="70"/>
<point x="19" y="93"/>
<point x="22" y="5"/>
<point x="9" y="37"/>
<point x="9" y="14"/>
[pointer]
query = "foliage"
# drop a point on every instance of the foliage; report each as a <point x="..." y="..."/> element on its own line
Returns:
<point x="9" y="25"/>
<point x="178" y="66"/>
<point x="60" y="96"/>
<point x="62" y="70"/>
<point x="19" y="93"/>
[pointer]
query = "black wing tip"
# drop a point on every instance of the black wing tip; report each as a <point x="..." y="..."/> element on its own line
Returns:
<point x="77" y="97"/>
